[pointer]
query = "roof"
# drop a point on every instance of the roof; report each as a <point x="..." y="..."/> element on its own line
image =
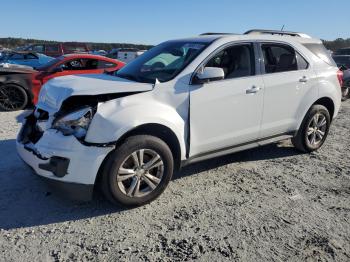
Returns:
<point x="90" y="56"/>
<point x="255" y="34"/>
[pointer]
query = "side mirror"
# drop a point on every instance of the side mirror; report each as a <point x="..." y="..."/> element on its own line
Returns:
<point x="57" y="70"/>
<point x="209" y="74"/>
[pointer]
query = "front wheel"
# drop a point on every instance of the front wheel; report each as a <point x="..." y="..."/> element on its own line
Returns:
<point x="138" y="171"/>
<point x="313" y="130"/>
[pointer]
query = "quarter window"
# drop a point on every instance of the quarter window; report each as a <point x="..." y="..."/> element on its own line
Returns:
<point x="279" y="58"/>
<point x="302" y="63"/>
<point x="236" y="61"/>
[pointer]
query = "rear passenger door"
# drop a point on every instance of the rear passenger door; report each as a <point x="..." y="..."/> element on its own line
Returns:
<point x="289" y="84"/>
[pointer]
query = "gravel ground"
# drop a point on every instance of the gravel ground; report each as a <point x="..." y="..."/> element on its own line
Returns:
<point x="266" y="204"/>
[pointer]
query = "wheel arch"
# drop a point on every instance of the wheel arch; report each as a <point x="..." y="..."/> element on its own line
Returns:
<point x="328" y="103"/>
<point x="153" y="129"/>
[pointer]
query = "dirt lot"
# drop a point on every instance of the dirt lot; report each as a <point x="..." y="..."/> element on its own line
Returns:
<point x="265" y="204"/>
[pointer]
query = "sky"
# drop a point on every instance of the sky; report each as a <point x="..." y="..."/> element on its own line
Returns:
<point x="154" y="21"/>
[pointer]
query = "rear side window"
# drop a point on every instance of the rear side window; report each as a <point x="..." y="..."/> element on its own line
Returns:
<point x="279" y="58"/>
<point x="321" y="52"/>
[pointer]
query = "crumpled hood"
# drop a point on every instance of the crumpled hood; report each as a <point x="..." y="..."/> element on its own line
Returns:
<point x="55" y="91"/>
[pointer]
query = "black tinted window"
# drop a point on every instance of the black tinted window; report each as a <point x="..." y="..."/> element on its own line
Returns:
<point x="80" y="64"/>
<point x="279" y="58"/>
<point x="236" y="61"/>
<point x="321" y="52"/>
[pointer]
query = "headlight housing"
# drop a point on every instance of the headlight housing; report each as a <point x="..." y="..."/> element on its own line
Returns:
<point x="75" y="123"/>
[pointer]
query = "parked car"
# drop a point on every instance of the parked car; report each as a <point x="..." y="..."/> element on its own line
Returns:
<point x="26" y="58"/>
<point x="58" y="49"/>
<point x="342" y="61"/>
<point x="346" y="85"/>
<point x="342" y="51"/>
<point x="125" y="54"/>
<point x="26" y="92"/>
<point x="15" y="83"/>
<point x="216" y="94"/>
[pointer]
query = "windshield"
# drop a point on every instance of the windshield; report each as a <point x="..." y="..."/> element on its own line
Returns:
<point x="49" y="64"/>
<point x="162" y="62"/>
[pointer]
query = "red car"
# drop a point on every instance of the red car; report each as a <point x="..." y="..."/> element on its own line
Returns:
<point x="72" y="65"/>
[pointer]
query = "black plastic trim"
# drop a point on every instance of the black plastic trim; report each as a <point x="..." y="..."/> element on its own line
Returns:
<point x="190" y="159"/>
<point x="57" y="165"/>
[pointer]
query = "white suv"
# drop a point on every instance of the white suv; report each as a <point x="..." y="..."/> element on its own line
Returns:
<point x="180" y="102"/>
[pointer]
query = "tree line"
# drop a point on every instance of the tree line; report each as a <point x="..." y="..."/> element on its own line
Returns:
<point x="10" y="42"/>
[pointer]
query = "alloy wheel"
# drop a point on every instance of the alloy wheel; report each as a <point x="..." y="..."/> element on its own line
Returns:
<point x="317" y="129"/>
<point x="140" y="173"/>
<point x="11" y="98"/>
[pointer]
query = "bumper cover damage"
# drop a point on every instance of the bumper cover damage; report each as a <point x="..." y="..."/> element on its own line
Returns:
<point x="67" y="164"/>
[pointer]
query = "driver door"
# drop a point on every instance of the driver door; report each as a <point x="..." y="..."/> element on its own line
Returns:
<point x="227" y="113"/>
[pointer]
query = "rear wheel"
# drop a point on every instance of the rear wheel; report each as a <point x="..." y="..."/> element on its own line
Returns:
<point x="12" y="97"/>
<point x="138" y="171"/>
<point x="313" y="130"/>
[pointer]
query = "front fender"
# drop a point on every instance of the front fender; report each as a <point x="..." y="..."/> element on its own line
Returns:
<point x="115" y="118"/>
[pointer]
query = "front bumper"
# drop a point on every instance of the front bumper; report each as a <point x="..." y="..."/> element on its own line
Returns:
<point x="63" y="160"/>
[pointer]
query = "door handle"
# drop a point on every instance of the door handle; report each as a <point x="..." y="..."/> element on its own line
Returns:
<point x="253" y="90"/>
<point x="304" y="79"/>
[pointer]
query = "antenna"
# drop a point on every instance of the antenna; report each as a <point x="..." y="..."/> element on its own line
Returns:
<point x="282" y="28"/>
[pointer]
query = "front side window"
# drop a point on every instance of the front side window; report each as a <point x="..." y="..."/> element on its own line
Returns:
<point x="162" y="62"/>
<point x="279" y="58"/>
<point x="236" y="61"/>
<point x="74" y="64"/>
<point x="16" y="56"/>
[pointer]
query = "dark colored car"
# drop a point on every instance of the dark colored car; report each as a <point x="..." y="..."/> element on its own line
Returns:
<point x="342" y="51"/>
<point x="15" y="87"/>
<point x="342" y="60"/>
<point x="21" y="87"/>
<point x="58" y="49"/>
<point x="346" y="85"/>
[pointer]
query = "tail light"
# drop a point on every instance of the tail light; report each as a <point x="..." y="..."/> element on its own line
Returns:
<point x="340" y="75"/>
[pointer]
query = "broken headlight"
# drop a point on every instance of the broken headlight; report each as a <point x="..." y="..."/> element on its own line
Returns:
<point x="75" y="123"/>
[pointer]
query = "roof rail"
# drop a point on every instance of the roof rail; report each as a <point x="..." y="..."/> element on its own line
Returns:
<point x="211" y="33"/>
<point x="276" y="32"/>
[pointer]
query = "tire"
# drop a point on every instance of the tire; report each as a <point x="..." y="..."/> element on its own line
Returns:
<point x="345" y="92"/>
<point x="12" y="97"/>
<point x="121" y="164"/>
<point x="315" y="126"/>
